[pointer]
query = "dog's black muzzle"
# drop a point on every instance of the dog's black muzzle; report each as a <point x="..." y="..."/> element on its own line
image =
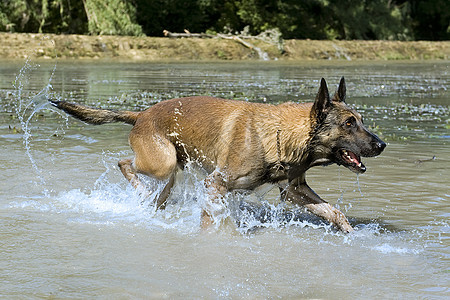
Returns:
<point x="377" y="146"/>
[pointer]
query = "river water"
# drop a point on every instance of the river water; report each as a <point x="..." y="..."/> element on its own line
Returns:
<point x="72" y="227"/>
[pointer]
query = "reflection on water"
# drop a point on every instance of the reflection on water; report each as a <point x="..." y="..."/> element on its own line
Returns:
<point x="72" y="227"/>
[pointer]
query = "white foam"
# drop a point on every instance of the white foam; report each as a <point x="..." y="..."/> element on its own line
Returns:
<point x="118" y="203"/>
<point x="388" y="249"/>
<point x="115" y="204"/>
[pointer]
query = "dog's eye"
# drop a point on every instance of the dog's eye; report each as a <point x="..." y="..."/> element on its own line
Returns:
<point x="350" y="122"/>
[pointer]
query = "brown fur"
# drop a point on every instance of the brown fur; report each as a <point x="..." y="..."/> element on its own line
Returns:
<point x="243" y="145"/>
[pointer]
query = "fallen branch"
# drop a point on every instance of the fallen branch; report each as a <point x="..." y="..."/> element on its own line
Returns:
<point x="186" y="34"/>
<point x="262" y="54"/>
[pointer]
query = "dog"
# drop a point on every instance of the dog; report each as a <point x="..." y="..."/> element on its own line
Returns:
<point x="243" y="145"/>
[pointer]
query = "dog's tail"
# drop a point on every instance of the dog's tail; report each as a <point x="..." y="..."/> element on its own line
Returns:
<point x="95" y="116"/>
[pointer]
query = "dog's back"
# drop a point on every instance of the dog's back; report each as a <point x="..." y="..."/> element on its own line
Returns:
<point x="243" y="138"/>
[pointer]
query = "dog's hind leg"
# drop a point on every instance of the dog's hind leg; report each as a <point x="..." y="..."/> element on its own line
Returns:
<point x="155" y="157"/>
<point x="162" y="198"/>
<point x="126" y="166"/>
<point x="300" y="193"/>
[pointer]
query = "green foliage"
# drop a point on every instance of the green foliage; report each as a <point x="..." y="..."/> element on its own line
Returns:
<point x="430" y="19"/>
<point x="325" y="19"/>
<point x="174" y="15"/>
<point x="113" y="17"/>
<point x="65" y="16"/>
<point x="376" y="20"/>
<point x="313" y="19"/>
<point x="50" y="16"/>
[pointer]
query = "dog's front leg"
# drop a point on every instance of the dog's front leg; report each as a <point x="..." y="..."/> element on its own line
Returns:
<point x="331" y="214"/>
<point x="213" y="206"/>
<point x="298" y="192"/>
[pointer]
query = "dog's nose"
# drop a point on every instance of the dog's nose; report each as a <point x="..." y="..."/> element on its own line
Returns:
<point x="380" y="145"/>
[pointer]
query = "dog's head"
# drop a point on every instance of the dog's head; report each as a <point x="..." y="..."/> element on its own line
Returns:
<point x="339" y="135"/>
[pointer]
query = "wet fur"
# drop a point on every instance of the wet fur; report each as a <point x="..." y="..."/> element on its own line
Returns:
<point x="243" y="145"/>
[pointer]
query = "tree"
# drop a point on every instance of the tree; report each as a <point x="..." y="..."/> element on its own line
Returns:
<point x="44" y="16"/>
<point x="173" y="15"/>
<point x="114" y="17"/>
<point x="430" y="19"/>
<point x="65" y="16"/>
<point x="300" y="19"/>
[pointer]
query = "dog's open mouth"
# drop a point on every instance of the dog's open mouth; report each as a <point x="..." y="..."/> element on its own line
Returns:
<point x="352" y="161"/>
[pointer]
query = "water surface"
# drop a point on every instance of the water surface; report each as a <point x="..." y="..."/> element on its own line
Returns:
<point x="71" y="226"/>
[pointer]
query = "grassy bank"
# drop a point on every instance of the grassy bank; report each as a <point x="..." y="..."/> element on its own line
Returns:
<point x="17" y="46"/>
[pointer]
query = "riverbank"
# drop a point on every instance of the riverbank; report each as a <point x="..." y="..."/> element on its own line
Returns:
<point x="48" y="46"/>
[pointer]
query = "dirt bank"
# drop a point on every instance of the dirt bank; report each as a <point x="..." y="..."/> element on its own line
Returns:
<point x="14" y="46"/>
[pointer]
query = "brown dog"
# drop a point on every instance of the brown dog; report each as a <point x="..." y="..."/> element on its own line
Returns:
<point x="243" y="145"/>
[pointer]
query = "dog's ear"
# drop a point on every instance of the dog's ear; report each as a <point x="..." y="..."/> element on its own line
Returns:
<point x="339" y="96"/>
<point x="321" y="103"/>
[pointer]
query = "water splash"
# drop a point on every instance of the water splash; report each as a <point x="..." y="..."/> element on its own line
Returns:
<point x="357" y="188"/>
<point x="112" y="201"/>
<point x="27" y="107"/>
<point x="189" y="195"/>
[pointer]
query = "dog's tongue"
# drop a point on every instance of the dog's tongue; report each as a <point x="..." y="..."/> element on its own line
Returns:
<point x="353" y="159"/>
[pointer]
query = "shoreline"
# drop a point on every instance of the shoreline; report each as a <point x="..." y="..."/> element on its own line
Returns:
<point x="83" y="47"/>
